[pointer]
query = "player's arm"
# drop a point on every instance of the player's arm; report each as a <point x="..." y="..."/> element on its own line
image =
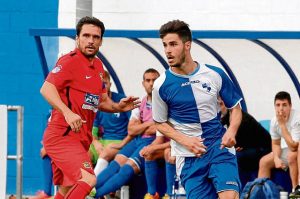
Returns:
<point x="228" y="140"/>
<point x="120" y="145"/>
<point x="136" y="127"/>
<point x="125" y="104"/>
<point x="50" y="93"/>
<point x="293" y="146"/>
<point x="193" y="144"/>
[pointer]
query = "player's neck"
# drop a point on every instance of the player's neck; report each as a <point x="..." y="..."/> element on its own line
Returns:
<point x="186" y="68"/>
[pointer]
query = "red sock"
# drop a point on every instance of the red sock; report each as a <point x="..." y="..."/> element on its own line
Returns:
<point x="58" y="196"/>
<point x="79" y="191"/>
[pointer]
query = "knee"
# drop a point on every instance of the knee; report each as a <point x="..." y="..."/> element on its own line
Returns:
<point x="88" y="178"/>
<point x="264" y="162"/>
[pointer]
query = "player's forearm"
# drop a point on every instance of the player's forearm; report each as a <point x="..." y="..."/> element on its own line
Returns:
<point x="170" y="132"/>
<point x="276" y="149"/>
<point x="126" y="140"/>
<point x="107" y="105"/>
<point x="235" y="119"/>
<point x="50" y="93"/>
<point x="136" y="129"/>
<point x="293" y="146"/>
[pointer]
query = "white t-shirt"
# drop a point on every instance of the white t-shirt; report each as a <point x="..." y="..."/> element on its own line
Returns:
<point x="293" y="126"/>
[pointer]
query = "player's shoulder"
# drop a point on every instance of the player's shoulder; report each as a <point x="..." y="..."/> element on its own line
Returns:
<point x="212" y="68"/>
<point x="67" y="58"/>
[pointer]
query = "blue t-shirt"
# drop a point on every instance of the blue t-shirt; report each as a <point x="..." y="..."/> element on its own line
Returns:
<point x="114" y="124"/>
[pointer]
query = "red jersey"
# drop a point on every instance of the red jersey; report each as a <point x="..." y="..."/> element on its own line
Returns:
<point x="79" y="84"/>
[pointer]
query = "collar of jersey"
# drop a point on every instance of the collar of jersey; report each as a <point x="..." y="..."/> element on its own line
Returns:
<point x="84" y="59"/>
<point x="189" y="75"/>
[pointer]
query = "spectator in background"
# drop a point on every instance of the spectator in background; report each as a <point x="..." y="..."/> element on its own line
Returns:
<point x="159" y="148"/>
<point x="128" y="161"/>
<point x="252" y="140"/>
<point x="108" y="128"/>
<point x="285" y="133"/>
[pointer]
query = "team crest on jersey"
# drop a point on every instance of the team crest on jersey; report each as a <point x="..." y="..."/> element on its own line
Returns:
<point x="206" y="86"/>
<point x="56" y="69"/>
<point x="87" y="165"/>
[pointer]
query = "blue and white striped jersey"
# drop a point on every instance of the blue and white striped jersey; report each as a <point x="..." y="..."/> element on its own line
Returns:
<point x="190" y="103"/>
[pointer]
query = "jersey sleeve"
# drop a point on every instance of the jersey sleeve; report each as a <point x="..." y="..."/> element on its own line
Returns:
<point x="295" y="130"/>
<point x="135" y="114"/>
<point x="61" y="75"/>
<point x="159" y="106"/>
<point x="228" y="91"/>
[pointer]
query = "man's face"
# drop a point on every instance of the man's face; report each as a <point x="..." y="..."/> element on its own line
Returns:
<point x="89" y="40"/>
<point x="175" y="49"/>
<point x="283" y="108"/>
<point x="148" y="82"/>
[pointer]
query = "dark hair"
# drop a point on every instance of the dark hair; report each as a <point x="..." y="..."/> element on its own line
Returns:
<point x="89" y="20"/>
<point x="176" y="26"/>
<point x="150" y="70"/>
<point x="282" y="95"/>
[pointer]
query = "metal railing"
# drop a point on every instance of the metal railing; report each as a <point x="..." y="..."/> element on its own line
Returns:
<point x="19" y="156"/>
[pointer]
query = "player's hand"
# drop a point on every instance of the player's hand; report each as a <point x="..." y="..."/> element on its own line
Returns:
<point x="195" y="145"/>
<point x="281" y="118"/>
<point x="228" y="139"/>
<point x="129" y="103"/>
<point x="74" y="121"/>
<point x="146" y="151"/>
<point x="279" y="164"/>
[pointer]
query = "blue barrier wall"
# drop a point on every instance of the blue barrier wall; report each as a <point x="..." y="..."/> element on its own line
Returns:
<point x="20" y="79"/>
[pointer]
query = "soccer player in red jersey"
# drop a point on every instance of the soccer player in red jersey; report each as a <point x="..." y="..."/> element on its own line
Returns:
<point x="75" y="90"/>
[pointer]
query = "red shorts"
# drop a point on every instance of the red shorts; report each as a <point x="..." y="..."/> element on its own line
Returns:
<point x="69" y="154"/>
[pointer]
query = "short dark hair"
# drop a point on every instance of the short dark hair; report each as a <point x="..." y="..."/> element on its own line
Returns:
<point x="150" y="70"/>
<point x="89" y="20"/>
<point x="176" y="26"/>
<point x="283" y="95"/>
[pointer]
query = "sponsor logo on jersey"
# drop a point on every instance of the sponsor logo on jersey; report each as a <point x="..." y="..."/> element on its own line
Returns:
<point x="203" y="84"/>
<point x="56" y="69"/>
<point x="190" y="82"/>
<point x="91" y="102"/>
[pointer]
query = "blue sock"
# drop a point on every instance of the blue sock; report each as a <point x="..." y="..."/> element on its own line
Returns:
<point x="48" y="175"/>
<point x="116" y="181"/>
<point x="170" y="173"/>
<point x="109" y="171"/>
<point x="151" y="170"/>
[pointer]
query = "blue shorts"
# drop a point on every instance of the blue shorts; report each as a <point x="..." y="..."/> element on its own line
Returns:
<point x="132" y="150"/>
<point x="214" y="172"/>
